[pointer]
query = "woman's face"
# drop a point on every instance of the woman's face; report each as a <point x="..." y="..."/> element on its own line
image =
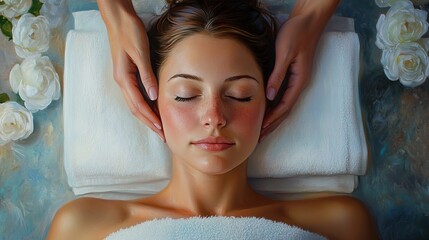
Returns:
<point x="211" y="102"/>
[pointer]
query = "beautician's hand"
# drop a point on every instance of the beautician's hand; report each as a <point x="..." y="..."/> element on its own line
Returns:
<point x="130" y="54"/>
<point x="295" y="47"/>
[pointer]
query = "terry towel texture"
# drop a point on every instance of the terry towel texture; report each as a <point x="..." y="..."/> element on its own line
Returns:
<point x="212" y="228"/>
<point x="107" y="149"/>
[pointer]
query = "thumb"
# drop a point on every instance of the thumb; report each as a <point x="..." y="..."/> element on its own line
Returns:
<point x="277" y="77"/>
<point x="146" y="77"/>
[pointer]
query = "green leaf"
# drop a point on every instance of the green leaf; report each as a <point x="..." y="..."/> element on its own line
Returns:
<point x="4" y="97"/>
<point x="19" y="100"/>
<point x="6" y="27"/>
<point x="35" y="7"/>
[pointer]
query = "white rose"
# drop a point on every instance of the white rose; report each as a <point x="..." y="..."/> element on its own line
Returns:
<point x="55" y="11"/>
<point x="16" y="122"/>
<point x="14" y="8"/>
<point x="31" y="35"/>
<point x="36" y="81"/>
<point x="408" y="62"/>
<point x="402" y="23"/>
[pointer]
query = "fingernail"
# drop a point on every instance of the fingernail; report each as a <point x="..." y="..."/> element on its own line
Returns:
<point x="157" y="126"/>
<point x="162" y="139"/>
<point x="152" y="94"/>
<point x="271" y="93"/>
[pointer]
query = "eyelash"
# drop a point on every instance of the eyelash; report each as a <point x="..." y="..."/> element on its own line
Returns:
<point x="246" y="99"/>
<point x="181" y="99"/>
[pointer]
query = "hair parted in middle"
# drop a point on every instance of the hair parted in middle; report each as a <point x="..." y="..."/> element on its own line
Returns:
<point x="243" y="20"/>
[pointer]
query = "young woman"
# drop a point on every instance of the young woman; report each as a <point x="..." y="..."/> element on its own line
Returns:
<point x="212" y="60"/>
<point x="130" y="54"/>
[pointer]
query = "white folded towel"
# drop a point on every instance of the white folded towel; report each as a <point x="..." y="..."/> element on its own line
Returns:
<point x="272" y="187"/>
<point x="107" y="149"/>
<point x="323" y="135"/>
<point x="212" y="228"/>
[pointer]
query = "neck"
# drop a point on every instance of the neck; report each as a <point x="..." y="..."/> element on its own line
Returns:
<point x="199" y="193"/>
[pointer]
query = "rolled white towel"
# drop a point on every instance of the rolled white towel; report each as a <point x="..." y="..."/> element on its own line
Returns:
<point x="212" y="228"/>
<point x="107" y="149"/>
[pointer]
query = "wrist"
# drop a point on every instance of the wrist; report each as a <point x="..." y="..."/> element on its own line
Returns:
<point x="320" y="10"/>
<point x="315" y="6"/>
<point x="116" y="12"/>
<point x="316" y="13"/>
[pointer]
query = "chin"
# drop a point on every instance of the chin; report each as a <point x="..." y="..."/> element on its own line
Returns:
<point x="215" y="165"/>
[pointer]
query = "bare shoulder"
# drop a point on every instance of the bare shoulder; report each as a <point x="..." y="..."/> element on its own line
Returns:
<point x="83" y="218"/>
<point x="336" y="217"/>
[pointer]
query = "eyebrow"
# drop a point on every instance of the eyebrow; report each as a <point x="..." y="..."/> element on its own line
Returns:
<point x="196" y="78"/>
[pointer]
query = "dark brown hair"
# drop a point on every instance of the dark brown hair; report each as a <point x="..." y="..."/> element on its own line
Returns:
<point x="244" y="20"/>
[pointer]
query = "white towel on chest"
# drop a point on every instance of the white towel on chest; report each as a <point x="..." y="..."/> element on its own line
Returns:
<point x="212" y="228"/>
<point x="107" y="149"/>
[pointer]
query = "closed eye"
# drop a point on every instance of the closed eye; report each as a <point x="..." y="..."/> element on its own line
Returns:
<point x="182" y="99"/>
<point x="246" y="99"/>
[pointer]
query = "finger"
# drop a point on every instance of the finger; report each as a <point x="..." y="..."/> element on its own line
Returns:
<point x="277" y="76"/>
<point x="141" y="109"/>
<point x="298" y="80"/>
<point x="147" y="77"/>
<point x="282" y="109"/>
<point x="146" y="121"/>
<point x="269" y="129"/>
<point x="141" y="106"/>
<point x="284" y="57"/>
<point x="148" y="80"/>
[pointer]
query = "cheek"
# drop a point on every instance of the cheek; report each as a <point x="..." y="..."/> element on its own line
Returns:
<point x="177" y="121"/>
<point x="248" y="122"/>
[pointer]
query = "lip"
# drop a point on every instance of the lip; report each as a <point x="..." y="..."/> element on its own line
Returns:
<point x="214" y="144"/>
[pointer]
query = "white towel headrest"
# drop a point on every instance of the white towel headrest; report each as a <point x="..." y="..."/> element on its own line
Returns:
<point x="106" y="148"/>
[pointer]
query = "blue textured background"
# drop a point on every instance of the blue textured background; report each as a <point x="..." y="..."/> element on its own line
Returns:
<point x="396" y="188"/>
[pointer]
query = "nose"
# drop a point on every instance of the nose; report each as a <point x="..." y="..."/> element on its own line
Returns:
<point x="213" y="114"/>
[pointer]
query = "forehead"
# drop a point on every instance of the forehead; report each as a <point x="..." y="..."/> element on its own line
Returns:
<point x="204" y="55"/>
